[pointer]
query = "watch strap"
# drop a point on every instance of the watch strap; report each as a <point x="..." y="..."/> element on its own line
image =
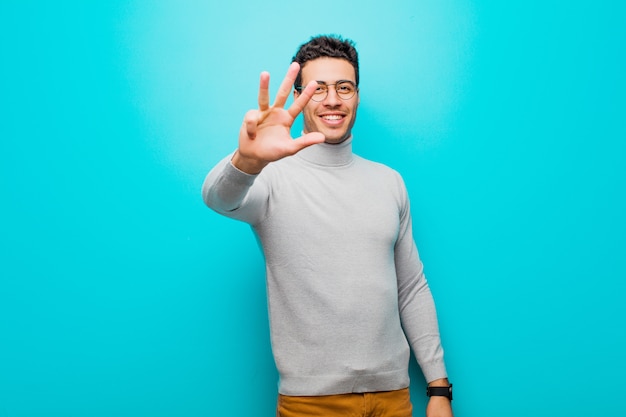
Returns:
<point x="440" y="392"/>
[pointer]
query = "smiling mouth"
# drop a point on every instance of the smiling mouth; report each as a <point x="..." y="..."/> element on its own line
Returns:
<point x="332" y="117"/>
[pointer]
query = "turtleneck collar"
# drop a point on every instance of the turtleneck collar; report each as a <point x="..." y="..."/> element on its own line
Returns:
<point x="327" y="154"/>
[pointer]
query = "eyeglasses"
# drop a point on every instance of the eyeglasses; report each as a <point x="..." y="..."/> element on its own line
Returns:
<point x="345" y="90"/>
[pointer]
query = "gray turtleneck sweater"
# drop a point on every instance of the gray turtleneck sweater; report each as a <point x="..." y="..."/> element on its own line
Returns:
<point x="346" y="291"/>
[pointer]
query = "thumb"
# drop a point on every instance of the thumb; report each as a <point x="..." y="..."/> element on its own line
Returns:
<point x="307" y="140"/>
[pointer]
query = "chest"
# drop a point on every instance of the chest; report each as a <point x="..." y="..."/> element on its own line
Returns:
<point x="334" y="207"/>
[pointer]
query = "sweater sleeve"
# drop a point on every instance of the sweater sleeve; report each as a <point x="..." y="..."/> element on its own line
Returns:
<point x="415" y="301"/>
<point x="234" y="193"/>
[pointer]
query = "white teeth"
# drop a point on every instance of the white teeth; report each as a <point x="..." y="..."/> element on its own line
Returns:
<point x="332" y="117"/>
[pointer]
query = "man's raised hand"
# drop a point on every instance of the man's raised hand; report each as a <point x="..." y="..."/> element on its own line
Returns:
<point x="265" y="135"/>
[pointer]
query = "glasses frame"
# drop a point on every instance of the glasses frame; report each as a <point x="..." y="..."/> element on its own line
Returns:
<point x="356" y="89"/>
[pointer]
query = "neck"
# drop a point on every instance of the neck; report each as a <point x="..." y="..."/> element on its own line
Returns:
<point x="328" y="154"/>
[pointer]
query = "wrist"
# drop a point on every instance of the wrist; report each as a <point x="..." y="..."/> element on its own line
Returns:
<point x="248" y="165"/>
<point x="439" y="390"/>
<point x="441" y="382"/>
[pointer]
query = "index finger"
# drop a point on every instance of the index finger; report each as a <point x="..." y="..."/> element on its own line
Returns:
<point x="285" y="87"/>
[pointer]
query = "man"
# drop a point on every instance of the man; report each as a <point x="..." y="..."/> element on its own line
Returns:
<point x="346" y="292"/>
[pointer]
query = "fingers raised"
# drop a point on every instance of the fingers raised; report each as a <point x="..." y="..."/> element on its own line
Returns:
<point x="285" y="86"/>
<point x="264" y="94"/>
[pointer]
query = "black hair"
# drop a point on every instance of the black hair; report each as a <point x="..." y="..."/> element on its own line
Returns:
<point x="329" y="46"/>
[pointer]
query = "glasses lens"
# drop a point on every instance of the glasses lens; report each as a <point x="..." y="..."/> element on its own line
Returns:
<point x="320" y="92"/>
<point x="345" y="90"/>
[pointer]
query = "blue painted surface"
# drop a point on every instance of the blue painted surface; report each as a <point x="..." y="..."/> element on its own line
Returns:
<point x="121" y="294"/>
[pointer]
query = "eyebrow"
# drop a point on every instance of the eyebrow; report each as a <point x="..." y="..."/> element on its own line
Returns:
<point x="336" y="82"/>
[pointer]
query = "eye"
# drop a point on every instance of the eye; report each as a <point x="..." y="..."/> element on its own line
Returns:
<point x="345" y="88"/>
<point x="321" y="88"/>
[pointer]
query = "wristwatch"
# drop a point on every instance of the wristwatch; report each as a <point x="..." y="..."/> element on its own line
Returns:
<point x="440" y="392"/>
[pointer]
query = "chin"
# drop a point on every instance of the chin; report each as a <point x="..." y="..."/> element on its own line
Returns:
<point x="335" y="137"/>
<point x="336" y="141"/>
<point x="332" y="136"/>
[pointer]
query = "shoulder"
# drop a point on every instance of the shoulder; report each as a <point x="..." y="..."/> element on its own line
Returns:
<point x="385" y="181"/>
<point x="380" y="171"/>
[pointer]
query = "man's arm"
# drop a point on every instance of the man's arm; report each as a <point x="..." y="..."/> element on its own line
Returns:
<point x="415" y="301"/>
<point x="229" y="191"/>
<point x="417" y="311"/>
<point x="264" y="137"/>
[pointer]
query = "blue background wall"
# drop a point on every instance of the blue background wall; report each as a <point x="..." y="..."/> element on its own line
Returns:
<point x="121" y="294"/>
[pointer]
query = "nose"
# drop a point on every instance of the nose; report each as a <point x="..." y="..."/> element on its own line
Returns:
<point x="332" y="97"/>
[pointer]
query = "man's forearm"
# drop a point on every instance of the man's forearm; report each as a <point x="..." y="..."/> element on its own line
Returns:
<point x="441" y="382"/>
<point x="224" y="187"/>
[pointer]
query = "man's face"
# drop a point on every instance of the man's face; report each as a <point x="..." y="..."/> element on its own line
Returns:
<point x="333" y="116"/>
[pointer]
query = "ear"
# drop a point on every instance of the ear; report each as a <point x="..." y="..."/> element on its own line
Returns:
<point x="296" y="94"/>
